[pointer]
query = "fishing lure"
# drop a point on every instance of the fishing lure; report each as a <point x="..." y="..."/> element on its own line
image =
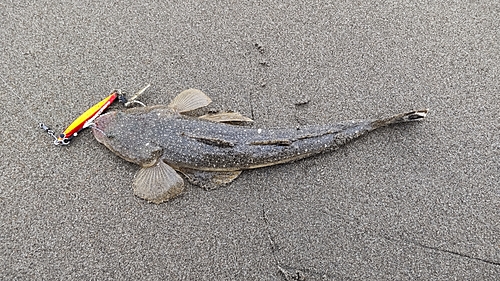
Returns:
<point x="87" y="118"/>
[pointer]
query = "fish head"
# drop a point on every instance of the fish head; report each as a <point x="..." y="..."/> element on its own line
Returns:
<point x="125" y="136"/>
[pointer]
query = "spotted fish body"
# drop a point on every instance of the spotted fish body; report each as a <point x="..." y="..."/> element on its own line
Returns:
<point x="209" y="152"/>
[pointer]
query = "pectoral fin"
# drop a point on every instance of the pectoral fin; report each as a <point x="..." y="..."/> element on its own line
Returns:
<point x="158" y="183"/>
<point x="226" y="117"/>
<point x="209" y="180"/>
<point x="188" y="100"/>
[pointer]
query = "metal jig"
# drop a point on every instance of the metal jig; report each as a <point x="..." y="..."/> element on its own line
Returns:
<point x="86" y="119"/>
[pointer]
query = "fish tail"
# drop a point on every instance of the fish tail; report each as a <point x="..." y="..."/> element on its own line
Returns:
<point x="400" y="118"/>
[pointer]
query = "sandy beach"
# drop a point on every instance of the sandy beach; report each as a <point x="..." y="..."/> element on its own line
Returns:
<point x="417" y="201"/>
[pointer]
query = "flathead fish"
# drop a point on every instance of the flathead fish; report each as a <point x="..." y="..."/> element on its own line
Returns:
<point x="208" y="150"/>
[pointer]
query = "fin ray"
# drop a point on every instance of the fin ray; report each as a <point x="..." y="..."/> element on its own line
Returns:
<point x="188" y="100"/>
<point x="209" y="180"/>
<point x="400" y="118"/>
<point x="226" y="117"/>
<point x="158" y="183"/>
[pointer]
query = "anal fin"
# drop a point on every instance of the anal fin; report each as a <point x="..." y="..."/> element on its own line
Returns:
<point x="209" y="180"/>
<point x="158" y="183"/>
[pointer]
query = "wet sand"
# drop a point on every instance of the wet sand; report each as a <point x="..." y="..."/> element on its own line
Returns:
<point x="419" y="201"/>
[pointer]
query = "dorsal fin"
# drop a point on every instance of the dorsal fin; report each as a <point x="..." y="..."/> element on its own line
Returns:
<point x="226" y="117"/>
<point x="188" y="100"/>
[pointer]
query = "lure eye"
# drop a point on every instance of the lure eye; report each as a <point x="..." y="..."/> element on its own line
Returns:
<point x="62" y="136"/>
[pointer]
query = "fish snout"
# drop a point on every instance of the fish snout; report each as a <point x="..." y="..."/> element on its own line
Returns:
<point x="101" y="125"/>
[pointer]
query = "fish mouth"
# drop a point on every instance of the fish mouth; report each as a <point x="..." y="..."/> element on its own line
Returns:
<point x="100" y="126"/>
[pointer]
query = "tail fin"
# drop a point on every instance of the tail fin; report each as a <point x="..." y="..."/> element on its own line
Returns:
<point x="400" y="118"/>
